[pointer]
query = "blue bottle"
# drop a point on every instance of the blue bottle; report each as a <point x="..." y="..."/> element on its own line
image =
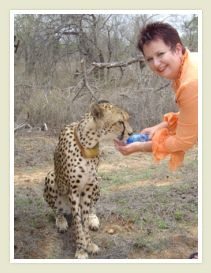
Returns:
<point x="137" y="137"/>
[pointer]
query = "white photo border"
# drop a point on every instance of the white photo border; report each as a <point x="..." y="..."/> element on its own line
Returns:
<point x="200" y="118"/>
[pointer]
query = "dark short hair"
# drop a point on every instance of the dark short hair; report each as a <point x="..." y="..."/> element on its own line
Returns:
<point x="159" y="30"/>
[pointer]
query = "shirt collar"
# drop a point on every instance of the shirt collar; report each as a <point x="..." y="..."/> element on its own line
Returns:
<point x="176" y="83"/>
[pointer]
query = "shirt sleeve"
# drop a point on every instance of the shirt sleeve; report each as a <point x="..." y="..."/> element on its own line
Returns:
<point x="182" y="131"/>
<point x="186" y="129"/>
<point x="172" y="119"/>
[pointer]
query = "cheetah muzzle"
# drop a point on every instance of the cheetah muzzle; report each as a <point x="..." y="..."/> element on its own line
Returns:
<point x="72" y="188"/>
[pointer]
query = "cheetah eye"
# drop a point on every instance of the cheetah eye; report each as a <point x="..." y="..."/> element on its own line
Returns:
<point x="120" y="122"/>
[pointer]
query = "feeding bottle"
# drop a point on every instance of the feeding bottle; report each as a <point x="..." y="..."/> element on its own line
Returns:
<point x="137" y="138"/>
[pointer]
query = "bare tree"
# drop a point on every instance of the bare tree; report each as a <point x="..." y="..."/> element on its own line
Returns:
<point x="49" y="75"/>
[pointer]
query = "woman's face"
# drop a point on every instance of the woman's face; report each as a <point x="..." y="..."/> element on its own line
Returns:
<point x="162" y="60"/>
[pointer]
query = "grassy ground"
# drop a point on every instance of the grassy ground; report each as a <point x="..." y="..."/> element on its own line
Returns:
<point x="146" y="211"/>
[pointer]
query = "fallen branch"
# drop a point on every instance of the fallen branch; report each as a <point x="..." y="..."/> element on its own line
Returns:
<point x="120" y="64"/>
<point x="22" y="125"/>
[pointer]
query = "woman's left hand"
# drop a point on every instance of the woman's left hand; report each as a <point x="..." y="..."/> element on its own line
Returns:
<point x="127" y="149"/>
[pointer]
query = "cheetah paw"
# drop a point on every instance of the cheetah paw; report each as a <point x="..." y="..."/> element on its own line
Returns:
<point x="81" y="254"/>
<point x="61" y="224"/>
<point x="93" y="248"/>
<point x="94" y="223"/>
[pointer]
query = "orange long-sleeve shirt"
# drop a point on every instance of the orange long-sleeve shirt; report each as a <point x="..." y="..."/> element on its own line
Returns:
<point x="182" y="131"/>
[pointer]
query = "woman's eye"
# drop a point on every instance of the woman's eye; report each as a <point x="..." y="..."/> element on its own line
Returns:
<point x="160" y="54"/>
<point x="149" y="60"/>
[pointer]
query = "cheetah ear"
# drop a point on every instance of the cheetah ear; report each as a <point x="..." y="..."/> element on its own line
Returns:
<point x="96" y="111"/>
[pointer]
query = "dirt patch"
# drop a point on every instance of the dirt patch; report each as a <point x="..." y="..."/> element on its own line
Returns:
<point x="146" y="212"/>
<point x="141" y="183"/>
<point x="182" y="243"/>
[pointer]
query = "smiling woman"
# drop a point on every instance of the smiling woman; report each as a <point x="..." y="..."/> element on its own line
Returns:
<point x="162" y="48"/>
<point x="162" y="60"/>
<point x="166" y="56"/>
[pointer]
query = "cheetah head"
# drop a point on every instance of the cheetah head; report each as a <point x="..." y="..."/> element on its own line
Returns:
<point x="111" y="120"/>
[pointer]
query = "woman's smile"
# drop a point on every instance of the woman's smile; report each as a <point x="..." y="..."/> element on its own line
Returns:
<point x="162" y="60"/>
<point x="161" y="69"/>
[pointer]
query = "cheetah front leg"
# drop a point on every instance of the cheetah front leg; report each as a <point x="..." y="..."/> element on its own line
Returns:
<point x="94" y="222"/>
<point x="81" y="243"/>
<point x="86" y="201"/>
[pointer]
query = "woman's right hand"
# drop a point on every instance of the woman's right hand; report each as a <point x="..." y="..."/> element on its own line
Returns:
<point x="150" y="131"/>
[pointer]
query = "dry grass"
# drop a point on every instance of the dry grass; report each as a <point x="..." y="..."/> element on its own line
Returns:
<point x="145" y="210"/>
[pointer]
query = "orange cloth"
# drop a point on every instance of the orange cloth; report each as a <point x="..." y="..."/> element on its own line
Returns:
<point x="182" y="131"/>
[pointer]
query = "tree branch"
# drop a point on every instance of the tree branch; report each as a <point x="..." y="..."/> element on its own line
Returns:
<point x="83" y="82"/>
<point x="120" y="64"/>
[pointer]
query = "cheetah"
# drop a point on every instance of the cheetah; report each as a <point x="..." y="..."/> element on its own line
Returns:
<point x="72" y="188"/>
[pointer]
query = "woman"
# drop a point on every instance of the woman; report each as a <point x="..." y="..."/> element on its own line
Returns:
<point x="166" y="56"/>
